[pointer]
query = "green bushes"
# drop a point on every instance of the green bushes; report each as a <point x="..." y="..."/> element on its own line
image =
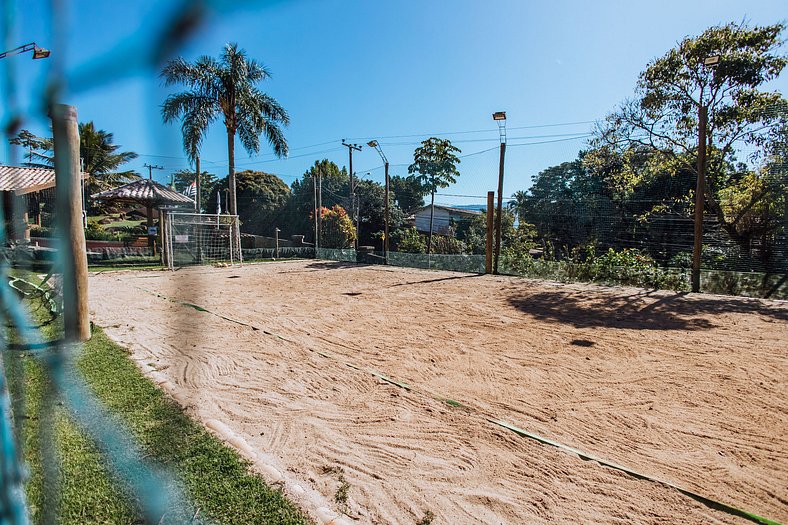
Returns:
<point x="624" y="267"/>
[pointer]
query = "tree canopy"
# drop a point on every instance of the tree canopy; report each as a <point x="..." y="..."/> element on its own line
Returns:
<point x="657" y="130"/>
<point x="226" y="87"/>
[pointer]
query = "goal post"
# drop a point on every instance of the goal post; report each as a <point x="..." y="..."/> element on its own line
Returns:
<point x="195" y="239"/>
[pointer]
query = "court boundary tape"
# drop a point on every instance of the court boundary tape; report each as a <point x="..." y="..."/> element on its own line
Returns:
<point x="709" y="502"/>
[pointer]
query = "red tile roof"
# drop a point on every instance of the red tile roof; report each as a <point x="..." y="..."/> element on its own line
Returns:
<point x="22" y="180"/>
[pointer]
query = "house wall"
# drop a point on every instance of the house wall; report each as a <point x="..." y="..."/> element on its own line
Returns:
<point x="440" y="222"/>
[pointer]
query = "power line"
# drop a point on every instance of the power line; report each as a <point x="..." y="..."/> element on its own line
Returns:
<point x="535" y="126"/>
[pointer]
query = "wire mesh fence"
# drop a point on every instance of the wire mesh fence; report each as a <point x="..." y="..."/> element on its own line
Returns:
<point x="561" y="220"/>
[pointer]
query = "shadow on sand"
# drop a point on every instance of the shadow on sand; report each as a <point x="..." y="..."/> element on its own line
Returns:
<point x="646" y="310"/>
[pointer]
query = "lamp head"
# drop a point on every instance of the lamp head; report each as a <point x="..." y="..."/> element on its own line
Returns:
<point x="499" y="115"/>
<point x="40" y="52"/>
<point x="372" y="143"/>
<point x="713" y="60"/>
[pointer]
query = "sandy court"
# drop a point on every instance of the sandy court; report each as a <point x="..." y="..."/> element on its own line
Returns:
<point x="688" y="389"/>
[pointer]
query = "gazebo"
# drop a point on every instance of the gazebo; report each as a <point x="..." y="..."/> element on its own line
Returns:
<point x="26" y="184"/>
<point x="148" y="193"/>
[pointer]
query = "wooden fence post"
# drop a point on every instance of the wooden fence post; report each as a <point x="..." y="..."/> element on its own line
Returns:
<point x="69" y="215"/>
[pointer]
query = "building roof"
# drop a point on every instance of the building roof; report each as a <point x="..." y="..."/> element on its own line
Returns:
<point x="454" y="211"/>
<point x="144" y="191"/>
<point x="22" y="180"/>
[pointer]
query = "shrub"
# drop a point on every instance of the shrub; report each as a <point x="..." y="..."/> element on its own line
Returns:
<point x="409" y="240"/>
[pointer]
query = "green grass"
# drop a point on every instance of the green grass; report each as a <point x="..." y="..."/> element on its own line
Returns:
<point x="215" y="477"/>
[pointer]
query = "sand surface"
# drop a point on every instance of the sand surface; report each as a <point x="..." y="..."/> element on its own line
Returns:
<point x="688" y="389"/>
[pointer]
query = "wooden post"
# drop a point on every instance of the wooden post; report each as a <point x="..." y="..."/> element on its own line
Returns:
<point x="489" y="248"/>
<point x="700" y="190"/>
<point x="151" y="238"/>
<point x="500" y="208"/>
<point x="69" y="213"/>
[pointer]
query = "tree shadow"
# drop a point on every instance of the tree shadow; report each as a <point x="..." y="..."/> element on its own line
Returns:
<point x="647" y="310"/>
<point x="325" y="265"/>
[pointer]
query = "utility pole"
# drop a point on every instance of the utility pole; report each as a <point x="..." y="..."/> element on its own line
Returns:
<point x="198" y="184"/>
<point x="151" y="168"/>
<point x="320" y="206"/>
<point x="700" y="190"/>
<point x="149" y="210"/>
<point x="386" y="227"/>
<point x="350" y="149"/>
<point x="317" y="238"/>
<point x="500" y="118"/>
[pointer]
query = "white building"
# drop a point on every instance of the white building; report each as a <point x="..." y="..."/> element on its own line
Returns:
<point x="444" y="217"/>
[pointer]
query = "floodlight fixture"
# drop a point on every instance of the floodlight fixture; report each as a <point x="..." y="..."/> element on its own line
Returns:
<point x="713" y="60"/>
<point x="40" y="52"/>
<point x="499" y="115"/>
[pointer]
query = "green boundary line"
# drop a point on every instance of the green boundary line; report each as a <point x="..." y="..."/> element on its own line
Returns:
<point x="711" y="503"/>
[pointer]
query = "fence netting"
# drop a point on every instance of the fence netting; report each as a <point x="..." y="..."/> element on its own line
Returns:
<point x="569" y="213"/>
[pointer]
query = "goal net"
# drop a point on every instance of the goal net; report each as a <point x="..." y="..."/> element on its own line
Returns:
<point x="192" y="238"/>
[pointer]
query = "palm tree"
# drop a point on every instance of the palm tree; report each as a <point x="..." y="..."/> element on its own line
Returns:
<point x="227" y="88"/>
<point x="100" y="159"/>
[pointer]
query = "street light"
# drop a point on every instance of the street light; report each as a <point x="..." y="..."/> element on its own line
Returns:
<point x="500" y="118"/>
<point x="700" y="186"/>
<point x="376" y="145"/>
<point x="38" y="52"/>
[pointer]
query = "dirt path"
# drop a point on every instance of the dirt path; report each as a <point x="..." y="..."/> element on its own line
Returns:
<point x="688" y="389"/>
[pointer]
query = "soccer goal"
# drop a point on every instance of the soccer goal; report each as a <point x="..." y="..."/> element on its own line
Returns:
<point x="192" y="238"/>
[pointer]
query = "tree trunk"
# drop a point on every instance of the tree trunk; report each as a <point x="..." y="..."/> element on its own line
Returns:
<point x="432" y="215"/>
<point x="231" y="170"/>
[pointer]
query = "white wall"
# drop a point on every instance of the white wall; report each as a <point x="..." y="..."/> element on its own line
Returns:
<point x="440" y="222"/>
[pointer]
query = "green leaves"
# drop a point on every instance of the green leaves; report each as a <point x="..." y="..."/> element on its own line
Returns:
<point x="228" y="88"/>
<point x="436" y="163"/>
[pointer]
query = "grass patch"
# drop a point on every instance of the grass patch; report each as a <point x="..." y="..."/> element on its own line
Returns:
<point x="215" y="477"/>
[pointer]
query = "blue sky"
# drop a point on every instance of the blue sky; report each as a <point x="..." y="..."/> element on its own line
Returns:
<point x="400" y="71"/>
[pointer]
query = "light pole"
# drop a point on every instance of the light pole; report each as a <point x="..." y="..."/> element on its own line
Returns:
<point x="500" y="118"/>
<point x="38" y="52"/>
<point x="700" y="188"/>
<point x="376" y="145"/>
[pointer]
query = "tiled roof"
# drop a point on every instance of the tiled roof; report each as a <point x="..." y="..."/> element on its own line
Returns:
<point x="22" y="180"/>
<point x="144" y="191"/>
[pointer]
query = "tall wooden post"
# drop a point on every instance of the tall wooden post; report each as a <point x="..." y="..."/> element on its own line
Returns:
<point x="387" y="218"/>
<point x="488" y="252"/>
<point x="69" y="214"/>
<point x="700" y="190"/>
<point x="500" y="208"/>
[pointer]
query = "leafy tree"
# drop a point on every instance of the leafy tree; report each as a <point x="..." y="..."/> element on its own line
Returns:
<point x="264" y="197"/>
<point x="662" y="120"/>
<point x="408" y="191"/>
<point x="337" y="230"/>
<point x="409" y="240"/>
<point x="228" y="88"/>
<point x="184" y="179"/>
<point x="38" y="148"/>
<point x="436" y="163"/>
<point x="335" y="185"/>
<point x="372" y="211"/>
